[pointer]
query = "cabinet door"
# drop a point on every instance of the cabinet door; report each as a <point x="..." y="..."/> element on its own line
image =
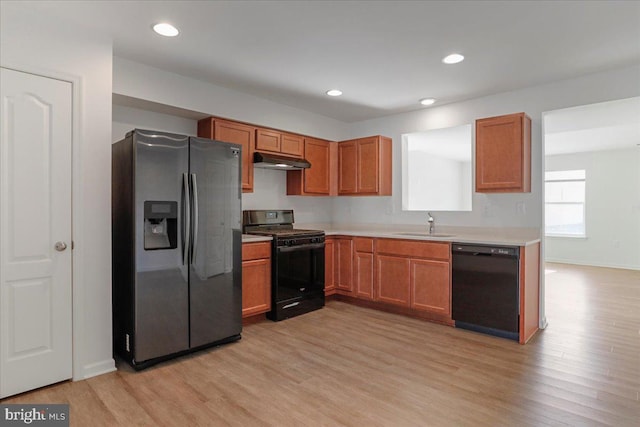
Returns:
<point x="256" y="287"/>
<point x="503" y="154"/>
<point x="344" y="258"/>
<point x="367" y="165"/>
<point x="329" y="264"/>
<point x="430" y="286"/>
<point x="392" y="280"/>
<point x="292" y="145"/>
<point x="316" y="178"/>
<point x="238" y="133"/>
<point x="364" y="275"/>
<point x="268" y="140"/>
<point x="347" y="164"/>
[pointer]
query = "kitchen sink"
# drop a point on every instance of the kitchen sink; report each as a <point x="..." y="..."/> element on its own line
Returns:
<point x="424" y="234"/>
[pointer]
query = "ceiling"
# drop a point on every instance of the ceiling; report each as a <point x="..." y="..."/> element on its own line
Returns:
<point x="384" y="55"/>
<point x="610" y="125"/>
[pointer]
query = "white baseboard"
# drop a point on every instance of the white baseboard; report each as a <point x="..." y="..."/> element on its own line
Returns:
<point x="99" y="368"/>
<point x="570" y="261"/>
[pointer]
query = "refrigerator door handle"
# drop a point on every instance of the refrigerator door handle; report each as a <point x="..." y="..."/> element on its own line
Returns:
<point x="194" y="198"/>
<point x="186" y="218"/>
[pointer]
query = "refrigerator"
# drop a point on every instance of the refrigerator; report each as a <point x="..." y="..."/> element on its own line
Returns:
<point x="177" y="245"/>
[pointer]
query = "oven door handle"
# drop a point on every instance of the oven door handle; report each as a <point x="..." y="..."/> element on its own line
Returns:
<point x="301" y="247"/>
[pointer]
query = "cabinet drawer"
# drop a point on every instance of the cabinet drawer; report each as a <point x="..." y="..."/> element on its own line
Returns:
<point x="414" y="249"/>
<point x="292" y="145"/>
<point x="268" y="140"/>
<point x="363" y="244"/>
<point x="256" y="250"/>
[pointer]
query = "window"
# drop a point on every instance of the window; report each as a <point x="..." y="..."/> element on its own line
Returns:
<point x="564" y="203"/>
<point x="436" y="170"/>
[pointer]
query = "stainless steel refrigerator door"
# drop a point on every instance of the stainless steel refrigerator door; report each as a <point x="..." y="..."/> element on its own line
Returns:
<point x="215" y="273"/>
<point x="162" y="286"/>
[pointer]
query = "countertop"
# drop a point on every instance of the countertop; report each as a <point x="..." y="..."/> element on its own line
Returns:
<point x="484" y="235"/>
<point x="250" y="238"/>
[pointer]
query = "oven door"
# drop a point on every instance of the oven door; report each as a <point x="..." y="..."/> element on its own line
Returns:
<point x="298" y="272"/>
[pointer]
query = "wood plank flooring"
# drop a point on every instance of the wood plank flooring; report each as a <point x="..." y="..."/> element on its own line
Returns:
<point x="352" y="366"/>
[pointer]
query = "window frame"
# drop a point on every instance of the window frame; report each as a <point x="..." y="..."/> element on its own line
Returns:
<point x="584" y="204"/>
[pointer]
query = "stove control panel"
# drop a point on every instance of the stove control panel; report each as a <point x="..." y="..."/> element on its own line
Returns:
<point x="299" y="240"/>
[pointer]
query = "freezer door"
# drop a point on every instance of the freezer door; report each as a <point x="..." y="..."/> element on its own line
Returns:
<point x="216" y="253"/>
<point x="161" y="285"/>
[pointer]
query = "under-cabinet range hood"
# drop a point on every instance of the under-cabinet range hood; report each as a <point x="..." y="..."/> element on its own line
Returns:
<point x="273" y="161"/>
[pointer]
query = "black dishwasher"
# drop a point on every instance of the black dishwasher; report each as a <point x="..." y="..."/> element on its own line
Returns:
<point x="484" y="289"/>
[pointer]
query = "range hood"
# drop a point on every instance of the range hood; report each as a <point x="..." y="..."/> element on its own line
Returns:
<point x="273" y="161"/>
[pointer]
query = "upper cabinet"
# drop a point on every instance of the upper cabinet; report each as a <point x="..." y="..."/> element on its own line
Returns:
<point x="279" y="142"/>
<point x="364" y="166"/>
<point x="321" y="178"/>
<point x="503" y="154"/>
<point x="237" y="133"/>
<point x="356" y="167"/>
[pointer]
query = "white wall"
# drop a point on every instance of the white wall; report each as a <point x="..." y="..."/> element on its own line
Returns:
<point x="32" y="43"/>
<point x="612" y="210"/>
<point x="488" y="209"/>
<point x="270" y="192"/>
<point x="128" y="118"/>
<point x="140" y="81"/>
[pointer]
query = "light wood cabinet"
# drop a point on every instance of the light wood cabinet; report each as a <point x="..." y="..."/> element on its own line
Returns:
<point x="237" y="133"/>
<point x="430" y="286"/>
<point x="363" y="267"/>
<point x="344" y="265"/>
<point x="279" y="142"/>
<point x="503" y="154"/>
<point x="256" y="278"/>
<point x="364" y="166"/>
<point x="329" y="263"/>
<point x="321" y="178"/>
<point x="348" y="167"/>
<point x="414" y="274"/>
<point x="392" y="279"/>
<point x="268" y="140"/>
<point x="292" y="145"/>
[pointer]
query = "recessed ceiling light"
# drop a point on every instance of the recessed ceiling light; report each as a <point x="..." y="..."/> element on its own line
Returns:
<point x="454" y="58"/>
<point x="334" y="92"/>
<point x="166" y="30"/>
<point x="427" y="101"/>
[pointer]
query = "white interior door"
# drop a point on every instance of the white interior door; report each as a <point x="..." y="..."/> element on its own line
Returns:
<point x="35" y="231"/>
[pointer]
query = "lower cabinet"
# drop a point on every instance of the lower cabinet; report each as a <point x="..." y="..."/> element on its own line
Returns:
<point x="430" y="286"/>
<point x="363" y="267"/>
<point x="393" y="279"/>
<point x="344" y="265"/>
<point x="329" y="263"/>
<point x="256" y="278"/>
<point x="412" y="274"/>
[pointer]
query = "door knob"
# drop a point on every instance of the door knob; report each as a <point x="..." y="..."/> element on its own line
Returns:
<point x="60" y="246"/>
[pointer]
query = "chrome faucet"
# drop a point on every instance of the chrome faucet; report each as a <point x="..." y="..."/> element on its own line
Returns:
<point x="432" y="223"/>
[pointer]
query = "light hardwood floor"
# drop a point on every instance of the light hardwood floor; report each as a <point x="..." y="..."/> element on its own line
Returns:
<point x="347" y="365"/>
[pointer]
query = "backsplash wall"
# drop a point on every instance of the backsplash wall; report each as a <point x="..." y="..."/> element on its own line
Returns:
<point x="270" y="192"/>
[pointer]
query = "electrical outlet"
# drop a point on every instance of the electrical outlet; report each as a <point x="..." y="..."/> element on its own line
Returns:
<point x="486" y="212"/>
<point x="521" y="208"/>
